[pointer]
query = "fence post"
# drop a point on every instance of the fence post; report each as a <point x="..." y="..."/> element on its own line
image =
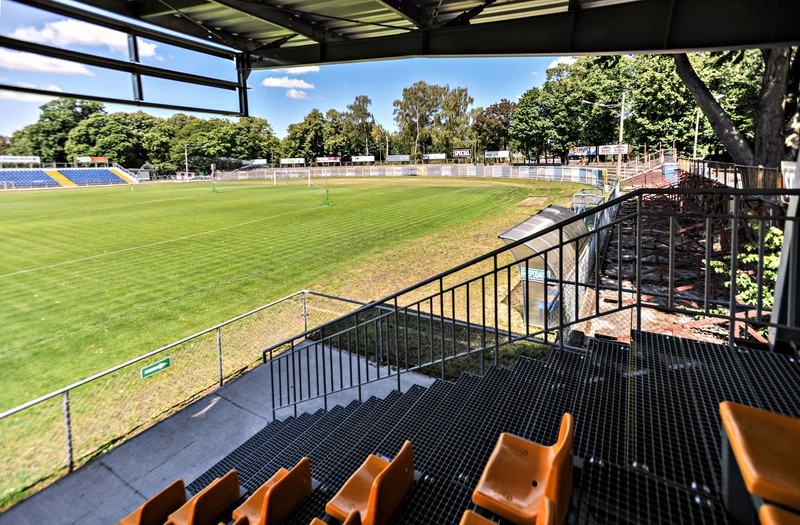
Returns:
<point x="219" y="353"/>
<point x="68" y="430"/>
<point x="305" y="313"/>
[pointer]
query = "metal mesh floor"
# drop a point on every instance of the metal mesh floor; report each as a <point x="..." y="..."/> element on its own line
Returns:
<point x="647" y="434"/>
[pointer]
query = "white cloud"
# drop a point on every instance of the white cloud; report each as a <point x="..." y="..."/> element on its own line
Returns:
<point x="562" y="60"/>
<point x="72" y="32"/>
<point x="300" y="70"/>
<point x="286" y="82"/>
<point x="296" y="94"/>
<point x="29" y="97"/>
<point x="21" y="61"/>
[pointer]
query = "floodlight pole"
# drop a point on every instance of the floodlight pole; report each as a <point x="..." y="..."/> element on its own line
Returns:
<point x="186" y="159"/>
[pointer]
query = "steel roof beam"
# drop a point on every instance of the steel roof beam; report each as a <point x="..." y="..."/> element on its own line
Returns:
<point x="614" y="29"/>
<point x="117" y="65"/>
<point x="466" y="16"/>
<point x="124" y="9"/>
<point x="111" y="100"/>
<point x="410" y="11"/>
<point x="287" y="19"/>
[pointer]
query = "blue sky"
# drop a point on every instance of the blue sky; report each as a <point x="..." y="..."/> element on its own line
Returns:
<point x="280" y="96"/>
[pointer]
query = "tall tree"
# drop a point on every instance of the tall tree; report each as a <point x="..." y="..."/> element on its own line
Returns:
<point x="492" y="126"/>
<point x="307" y="138"/>
<point x="48" y="135"/>
<point x="776" y="108"/>
<point x="361" y="120"/>
<point x="415" y="113"/>
<point x="452" y="121"/>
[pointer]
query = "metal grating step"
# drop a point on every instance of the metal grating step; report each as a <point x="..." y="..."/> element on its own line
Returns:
<point x="414" y="418"/>
<point x="291" y="450"/>
<point x="433" y="501"/>
<point x="557" y="395"/>
<point x="427" y="437"/>
<point x="327" y="454"/>
<point x="613" y="495"/>
<point x="247" y="455"/>
<point x="464" y="436"/>
<point x="601" y="415"/>
<point x="350" y="454"/>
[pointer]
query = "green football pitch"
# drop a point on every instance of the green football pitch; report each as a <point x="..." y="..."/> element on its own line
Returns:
<point x="92" y="277"/>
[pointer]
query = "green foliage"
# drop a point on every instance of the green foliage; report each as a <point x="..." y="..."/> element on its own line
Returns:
<point x="432" y="117"/>
<point x="492" y="126"/>
<point x="747" y="267"/>
<point x="306" y="139"/>
<point x="48" y="136"/>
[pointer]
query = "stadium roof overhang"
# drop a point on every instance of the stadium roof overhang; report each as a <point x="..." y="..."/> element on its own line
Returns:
<point x="261" y="34"/>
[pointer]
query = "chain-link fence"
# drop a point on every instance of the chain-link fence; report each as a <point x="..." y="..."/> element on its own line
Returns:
<point x="48" y="437"/>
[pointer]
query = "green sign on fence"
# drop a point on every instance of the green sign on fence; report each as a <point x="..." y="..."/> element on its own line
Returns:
<point x="155" y="368"/>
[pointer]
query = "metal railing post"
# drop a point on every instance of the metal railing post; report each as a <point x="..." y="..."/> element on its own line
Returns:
<point x="305" y="312"/>
<point x="219" y="354"/>
<point x="67" y="430"/>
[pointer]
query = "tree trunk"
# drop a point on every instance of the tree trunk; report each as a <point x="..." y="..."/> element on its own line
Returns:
<point x="734" y="140"/>
<point x="770" y="131"/>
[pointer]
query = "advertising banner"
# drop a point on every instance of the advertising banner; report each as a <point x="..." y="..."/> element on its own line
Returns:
<point x="505" y="154"/>
<point x="434" y="156"/>
<point x="363" y="158"/>
<point x="329" y="160"/>
<point x="582" y="151"/>
<point x="293" y="161"/>
<point x="398" y="158"/>
<point x="614" y="149"/>
<point x="462" y="153"/>
<point x="19" y="159"/>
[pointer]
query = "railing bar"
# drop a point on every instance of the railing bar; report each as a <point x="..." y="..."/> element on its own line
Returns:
<point x="272" y="382"/>
<point x="524" y="285"/>
<point x="760" y="269"/>
<point x="597" y="247"/>
<point x="734" y="271"/>
<point x="577" y="274"/>
<point x="546" y="313"/>
<point x="441" y="320"/>
<point x="67" y="431"/>
<point x="453" y="317"/>
<point x="358" y="361"/>
<point x="509" y="309"/>
<point x="619" y="263"/>
<point x="308" y="373"/>
<point x="430" y="329"/>
<point x="496" y="314"/>
<point x="671" y="264"/>
<point x="483" y="321"/>
<point x="707" y="284"/>
<point x="324" y="376"/>
<point x="561" y="288"/>
<point x="639" y="255"/>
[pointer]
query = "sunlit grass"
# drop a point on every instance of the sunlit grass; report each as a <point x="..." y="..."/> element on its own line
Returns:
<point x="92" y="277"/>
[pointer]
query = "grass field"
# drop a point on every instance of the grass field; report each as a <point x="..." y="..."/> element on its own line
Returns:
<point x="95" y="276"/>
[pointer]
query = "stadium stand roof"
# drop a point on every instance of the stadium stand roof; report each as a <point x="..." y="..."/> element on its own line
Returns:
<point x="262" y="34"/>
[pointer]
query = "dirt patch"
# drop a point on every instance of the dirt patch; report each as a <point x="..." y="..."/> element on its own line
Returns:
<point x="533" y="201"/>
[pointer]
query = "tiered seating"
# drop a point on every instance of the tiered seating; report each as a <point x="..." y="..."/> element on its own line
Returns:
<point x="90" y="176"/>
<point x="646" y="424"/>
<point x="28" y="178"/>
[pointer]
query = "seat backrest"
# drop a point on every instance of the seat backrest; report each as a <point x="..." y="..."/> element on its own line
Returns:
<point x="157" y="509"/>
<point x="353" y="519"/>
<point x="390" y="487"/>
<point x="558" y="486"/>
<point x="213" y="500"/>
<point x="546" y="514"/>
<point x="282" y="498"/>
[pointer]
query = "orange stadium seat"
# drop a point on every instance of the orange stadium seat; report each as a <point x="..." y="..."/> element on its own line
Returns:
<point x="772" y="515"/>
<point x="376" y="489"/>
<point x="520" y="474"/>
<point x="207" y="505"/>
<point x="764" y="444"/>
<point x="273" y="501"/>
<point x="353" y="519"/>
<point x="155" y="510"/>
